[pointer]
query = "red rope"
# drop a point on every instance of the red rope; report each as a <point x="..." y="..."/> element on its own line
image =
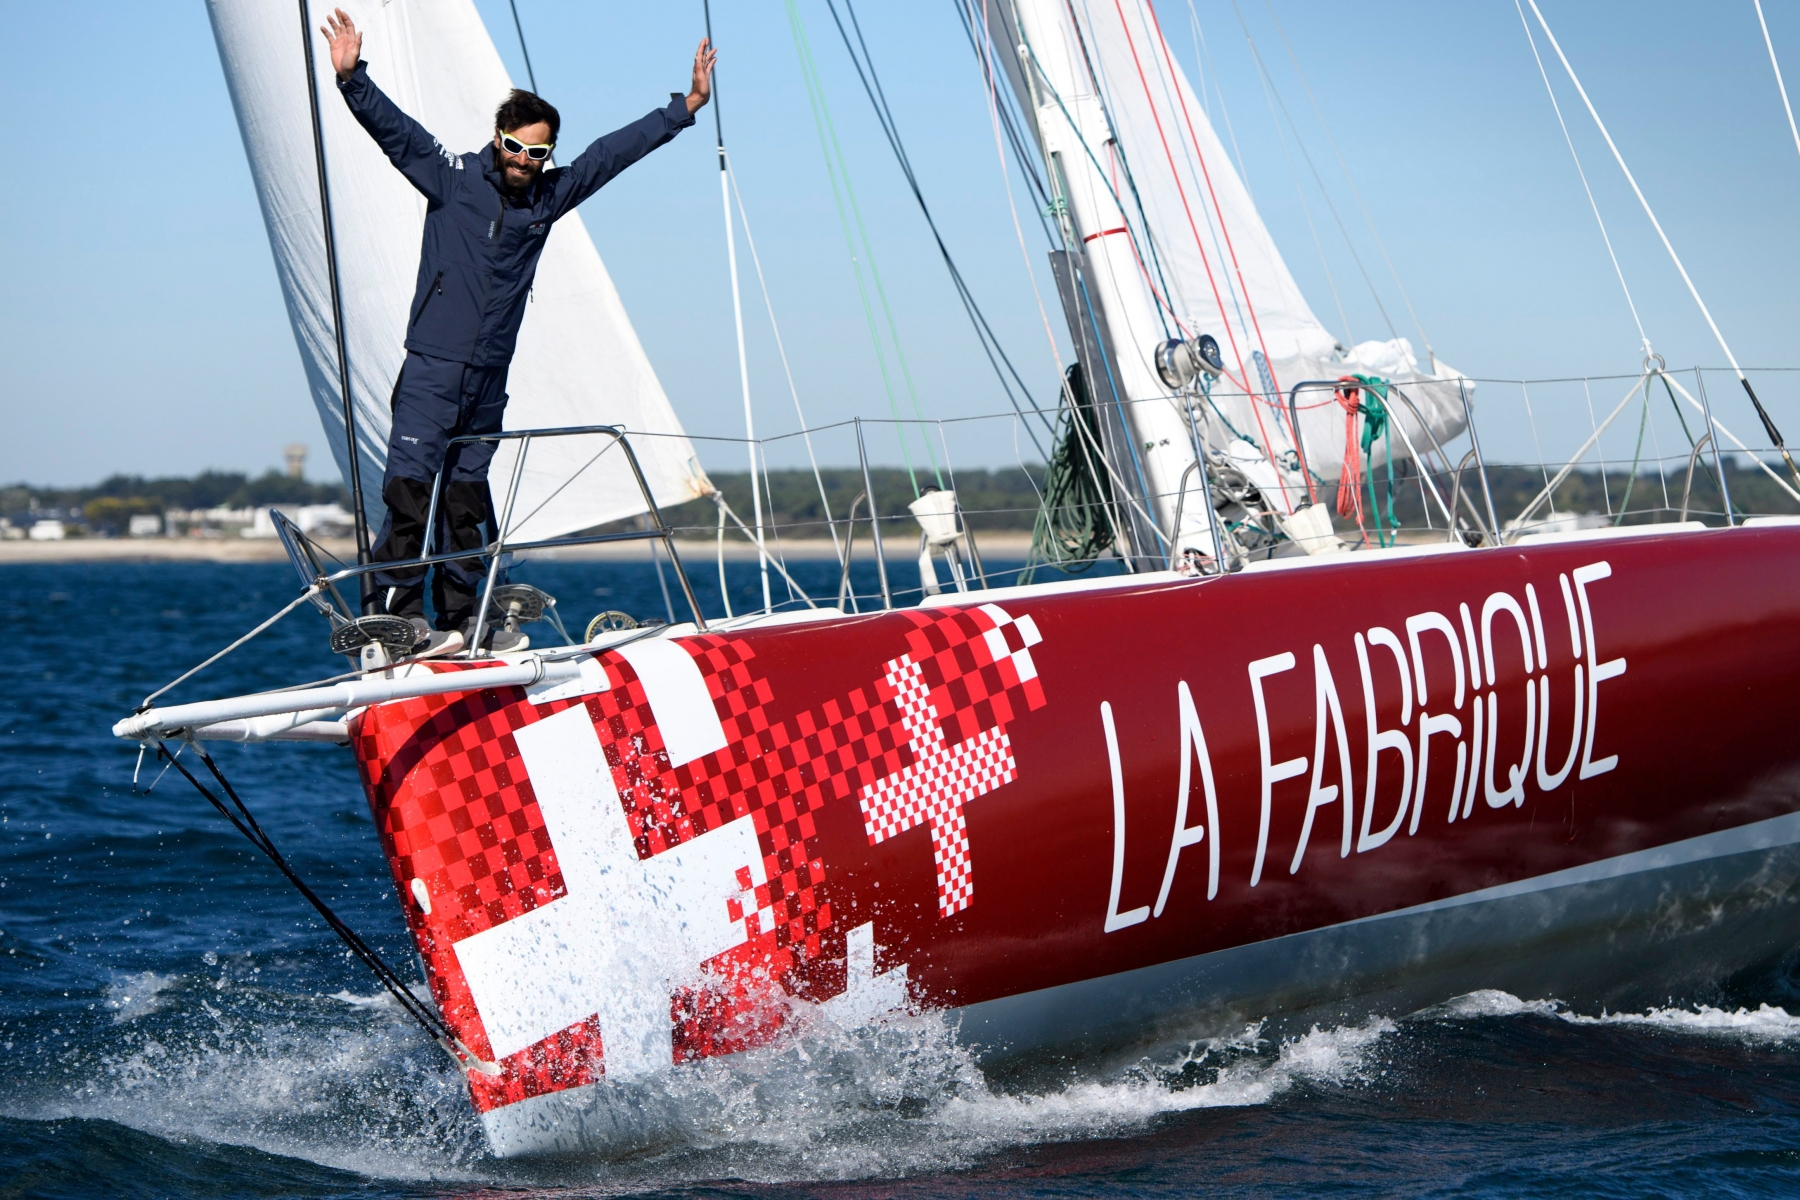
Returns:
<point x="1224" y="229"/>
<point x="1350" y="477"/>
<point x="1237" y="353"/>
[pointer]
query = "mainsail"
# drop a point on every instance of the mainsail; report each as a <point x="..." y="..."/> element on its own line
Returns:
<point x="1172" y="246"/>
<point x="579" y="361"/>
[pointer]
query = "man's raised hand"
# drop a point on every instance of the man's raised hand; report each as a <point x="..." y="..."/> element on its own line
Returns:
<point x="704" y="59"/>
<point x="346" y="43"/>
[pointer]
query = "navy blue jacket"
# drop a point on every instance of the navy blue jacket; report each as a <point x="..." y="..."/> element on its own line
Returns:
<point x="481" y="243"/>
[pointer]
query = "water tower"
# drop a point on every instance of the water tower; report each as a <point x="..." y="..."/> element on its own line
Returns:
<point x="296" y="460"/>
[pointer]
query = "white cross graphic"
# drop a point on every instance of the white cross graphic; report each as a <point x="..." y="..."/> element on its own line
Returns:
<point x="934" y="789"/>
<point x="627" y="932"/>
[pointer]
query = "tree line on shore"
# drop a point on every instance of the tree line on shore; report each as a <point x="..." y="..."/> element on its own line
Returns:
<point x="999" y="500"/>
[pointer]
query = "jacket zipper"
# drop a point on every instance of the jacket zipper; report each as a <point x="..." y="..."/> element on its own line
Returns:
<point x="437" y="285"/>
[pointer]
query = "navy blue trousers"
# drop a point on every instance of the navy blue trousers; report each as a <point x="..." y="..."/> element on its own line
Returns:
<point x="435" y="401"/>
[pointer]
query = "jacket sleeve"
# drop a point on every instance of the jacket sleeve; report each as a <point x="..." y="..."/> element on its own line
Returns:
<point x="417" y="155"/>
<point x="610" y="154"/>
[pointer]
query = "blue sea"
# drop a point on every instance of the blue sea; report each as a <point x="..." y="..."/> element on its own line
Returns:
<point x="176" y="1021"/>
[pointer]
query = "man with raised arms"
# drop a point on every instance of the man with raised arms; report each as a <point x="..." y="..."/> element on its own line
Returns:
<point x="487" y="216"/>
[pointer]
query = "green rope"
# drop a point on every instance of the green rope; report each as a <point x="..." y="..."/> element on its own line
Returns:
<point x="1377" y="426"/>
<point x="1072" y="529"/>
<point x="835" y="166"/>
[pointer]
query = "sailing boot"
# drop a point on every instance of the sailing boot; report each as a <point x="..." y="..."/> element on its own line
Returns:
<point x="435" y="643"/>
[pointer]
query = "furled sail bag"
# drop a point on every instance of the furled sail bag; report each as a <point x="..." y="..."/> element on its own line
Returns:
<point x="1206" y="258"/>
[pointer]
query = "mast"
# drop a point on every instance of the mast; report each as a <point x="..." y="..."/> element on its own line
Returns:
<point x="337" y="303"/>
<point x="1076" y="139"/>
<point x="737" y="312"/>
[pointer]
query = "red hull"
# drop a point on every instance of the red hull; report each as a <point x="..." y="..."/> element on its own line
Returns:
<point x="954" y="778"/>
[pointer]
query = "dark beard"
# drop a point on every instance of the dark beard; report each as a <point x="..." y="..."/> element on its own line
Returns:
<point x="518" y="189"/>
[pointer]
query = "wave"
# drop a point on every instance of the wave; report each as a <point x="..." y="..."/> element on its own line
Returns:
<point x="344" y="1081"/>
<point x="1766" y="1023"/>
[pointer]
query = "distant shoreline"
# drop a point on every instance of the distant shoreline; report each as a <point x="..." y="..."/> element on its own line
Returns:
<point x="1008" y="545"/>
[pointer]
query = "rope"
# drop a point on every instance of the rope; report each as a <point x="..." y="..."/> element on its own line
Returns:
<point x="834" y="166"/>
<point x="1072" y="529"/>
<point x="1286" y="154"/>
<point x="1243" y="381"/>
<point x="1637" y="455"/>
<point x="1268" y="365"/>
<point x="1365" y="395"/>
<point x="725" y="510"/>
<point x="737" y="312"/>
<point x="246" y="824"/>
<point x="1187" y="210"/>
<point x="1116" y="151"/>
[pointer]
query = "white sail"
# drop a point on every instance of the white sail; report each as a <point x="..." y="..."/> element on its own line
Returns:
<point x="579" y="361"/>
<point x="1174" y="243"/>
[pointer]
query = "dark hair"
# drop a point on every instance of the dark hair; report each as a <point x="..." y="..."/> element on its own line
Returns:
<point x="524" y="108"/>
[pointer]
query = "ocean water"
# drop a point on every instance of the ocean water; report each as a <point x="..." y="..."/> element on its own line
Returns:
<point x="175" y="1021"/>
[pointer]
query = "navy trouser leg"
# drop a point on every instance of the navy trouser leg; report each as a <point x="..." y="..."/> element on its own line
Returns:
<point x="466" y="512"/>
<point x="434" y="401"/>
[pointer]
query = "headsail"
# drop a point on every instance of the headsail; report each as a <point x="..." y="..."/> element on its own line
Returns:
<point x="1173" y="247"/>
<point x="579" y="361"/>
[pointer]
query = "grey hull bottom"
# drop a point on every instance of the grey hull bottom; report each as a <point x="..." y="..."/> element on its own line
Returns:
<point x="1654" y="927"/>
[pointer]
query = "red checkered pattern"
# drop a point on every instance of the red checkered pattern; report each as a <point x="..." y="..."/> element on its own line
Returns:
<point x="934" y="789"/>
<point x="455" y="810"/>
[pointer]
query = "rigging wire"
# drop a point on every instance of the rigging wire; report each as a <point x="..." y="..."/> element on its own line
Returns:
<point x="985" y="54"/>
<point x="1116" y="153"/>
<point x="352" y="438"/>
<point x="1767" y="422"/>
<point x="1268" y="364"/>
<point x="1201" y="52"/>
<point x="990" y="343"/>
<point x="737" y="312"/>
<point x="1273" y="95"/>
<point x="246" y="824"/>
<point x="780" y="349"/>
<point x="1149" y="237"/>
<point x="834" y="167"/>
<point x="1642" y="336"/>
<point x="530" y="75"/>
<point x="1026" y="162"/>
<point x="1351" y="180"/>
<point x="1203" y="56"/>
<point x="1788" y="108"/>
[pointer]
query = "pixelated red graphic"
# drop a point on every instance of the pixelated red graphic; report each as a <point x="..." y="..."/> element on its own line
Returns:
<point x="455" y="810"/>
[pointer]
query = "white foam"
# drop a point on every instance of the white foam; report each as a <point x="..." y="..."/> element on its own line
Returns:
<point x="1491" y="1002"/>
<point x="133" y="996"/>
<point x="1766" y="1023"/>
<point x="904" y="1097"/>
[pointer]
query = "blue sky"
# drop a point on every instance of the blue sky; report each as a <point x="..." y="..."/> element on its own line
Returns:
<point x="144" y="331"/>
